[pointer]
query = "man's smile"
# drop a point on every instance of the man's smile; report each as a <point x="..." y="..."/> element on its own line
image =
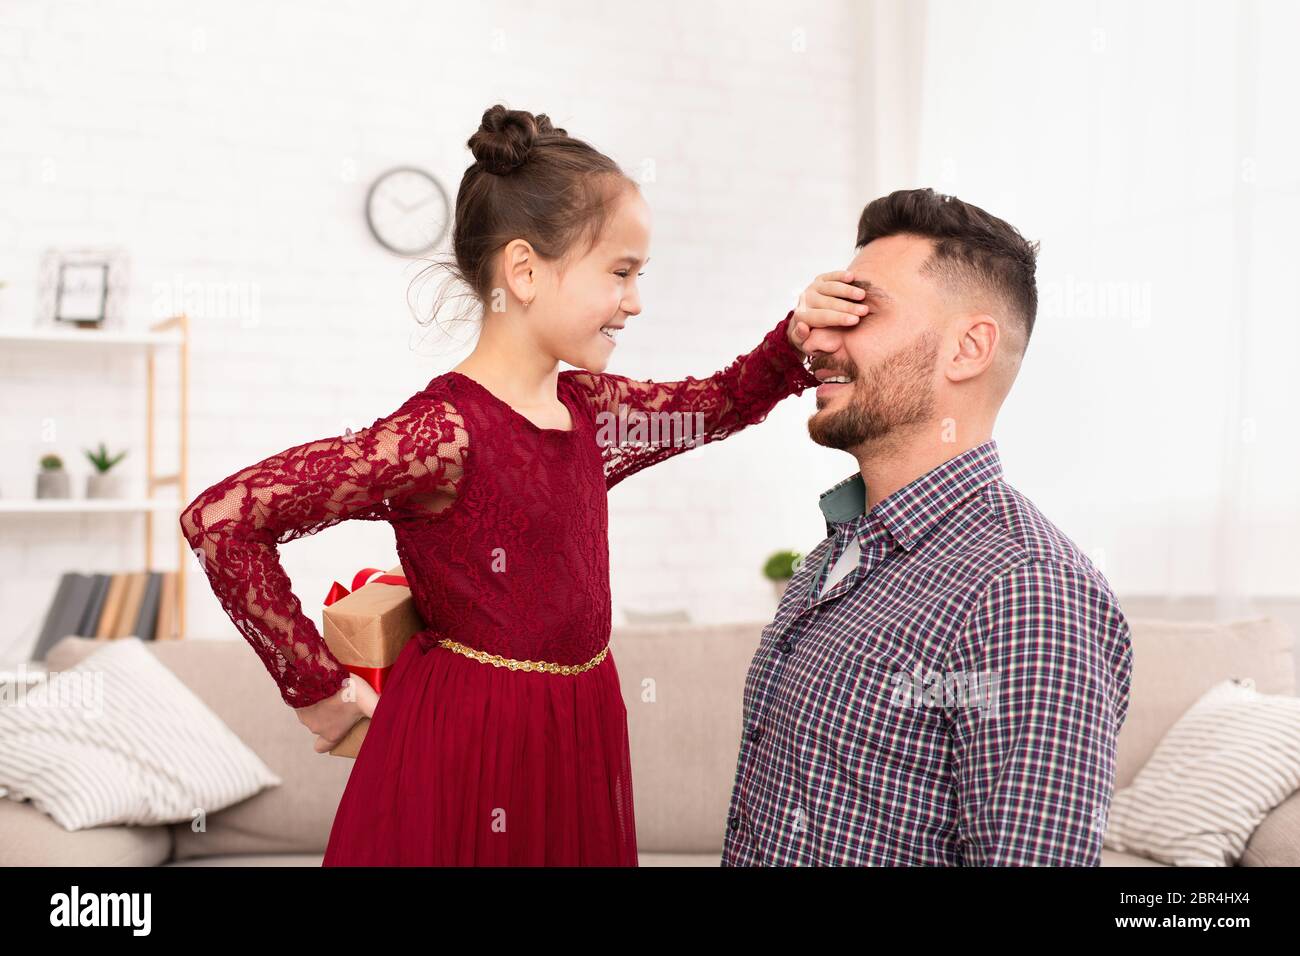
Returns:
<point x="833" y="381"/>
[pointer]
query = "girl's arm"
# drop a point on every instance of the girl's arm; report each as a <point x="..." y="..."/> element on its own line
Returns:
<point x="641" y="423"/>
<point x="374" y="474"/>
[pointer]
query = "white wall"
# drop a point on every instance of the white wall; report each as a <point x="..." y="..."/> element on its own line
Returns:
<point x="232" y="146"/>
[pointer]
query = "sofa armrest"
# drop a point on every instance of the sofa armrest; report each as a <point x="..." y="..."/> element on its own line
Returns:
<point x="1276" y="841"/>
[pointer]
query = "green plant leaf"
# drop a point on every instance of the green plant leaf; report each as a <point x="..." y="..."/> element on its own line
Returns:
<point x="780" y="566"/>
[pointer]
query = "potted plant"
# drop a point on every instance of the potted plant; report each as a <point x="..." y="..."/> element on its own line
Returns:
<point x="52" y="481"/>
<point x="100" y="484"/>
<point x="780" y="568"/>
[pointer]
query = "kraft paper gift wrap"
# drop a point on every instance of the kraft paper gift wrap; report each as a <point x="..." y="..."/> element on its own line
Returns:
<point x="366" y="629"/>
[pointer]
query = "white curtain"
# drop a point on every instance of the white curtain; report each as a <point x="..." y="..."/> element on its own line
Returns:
<point x="1153" y="149"/>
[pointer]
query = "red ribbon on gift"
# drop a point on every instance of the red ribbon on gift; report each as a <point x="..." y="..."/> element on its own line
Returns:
<point x="360" y="579"/>
<point x="374" y="676"/>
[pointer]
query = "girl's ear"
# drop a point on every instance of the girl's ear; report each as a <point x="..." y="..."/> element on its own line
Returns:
<point x="518" y="259"/>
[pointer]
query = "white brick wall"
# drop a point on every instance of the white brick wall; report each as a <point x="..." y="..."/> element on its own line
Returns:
<point x="236" y="146"/>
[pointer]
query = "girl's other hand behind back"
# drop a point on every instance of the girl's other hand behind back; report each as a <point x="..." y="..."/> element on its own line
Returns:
<point x="331" y="719"/>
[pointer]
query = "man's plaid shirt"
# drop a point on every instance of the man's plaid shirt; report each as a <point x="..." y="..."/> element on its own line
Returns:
<point x="954" y="700"/>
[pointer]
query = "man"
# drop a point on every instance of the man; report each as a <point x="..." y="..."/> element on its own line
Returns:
<point x="947" y="673"/>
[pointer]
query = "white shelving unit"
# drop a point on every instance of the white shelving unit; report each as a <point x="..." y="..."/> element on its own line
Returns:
<point x="37" y="506"/>
<point x="168" y="334"/>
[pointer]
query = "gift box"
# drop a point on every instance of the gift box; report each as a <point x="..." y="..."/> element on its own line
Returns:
<point x="366" y="628"/>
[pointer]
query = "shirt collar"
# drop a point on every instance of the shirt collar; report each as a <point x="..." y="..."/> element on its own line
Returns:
<point x="911" y="511"/>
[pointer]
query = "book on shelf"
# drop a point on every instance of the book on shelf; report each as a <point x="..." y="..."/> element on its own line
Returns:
<point x="147" y="621"/>
<point x="99" y="593"/>
<point x="168" y="622"/>
<point x="130" y="610"/>
<point x="66" y="611"/>
<point x="112" y="607"/>
<point x="108" y="606"/>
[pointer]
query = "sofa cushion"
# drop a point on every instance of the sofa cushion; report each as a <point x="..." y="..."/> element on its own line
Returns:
<point x="1175" y="662"/>
<point x="684" y="688"/>
<point x="680" y="859"/>
<point x="117" y="739"/>
<point x="1116" y="858"/>
<point x="229" y="678"/>
<point x="254" y="859"/>
<point x="1233" y="757"/>
<point x="1276" y="841"/>
<point x="31" y="838"/>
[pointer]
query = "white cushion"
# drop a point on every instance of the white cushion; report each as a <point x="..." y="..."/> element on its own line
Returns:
<point x="118" y="739"/>
<point x="1229" y="760"/>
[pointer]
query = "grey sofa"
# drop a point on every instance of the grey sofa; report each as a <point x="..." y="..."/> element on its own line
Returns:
<point x="683" y="746"/>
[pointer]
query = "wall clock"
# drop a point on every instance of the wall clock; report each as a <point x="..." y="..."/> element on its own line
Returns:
<point x="407" y="211"/>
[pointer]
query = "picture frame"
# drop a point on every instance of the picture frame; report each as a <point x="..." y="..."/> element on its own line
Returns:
<point x="82" y="292"/>
<point x="82" y="288"/>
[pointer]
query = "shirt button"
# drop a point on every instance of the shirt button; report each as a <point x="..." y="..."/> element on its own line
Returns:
<point x="734" y="823"/>
<point x="786" y="646"/>
<point x="754" y="734"/>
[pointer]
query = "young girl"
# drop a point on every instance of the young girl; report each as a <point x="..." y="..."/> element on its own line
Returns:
<point x="501" y="733"/>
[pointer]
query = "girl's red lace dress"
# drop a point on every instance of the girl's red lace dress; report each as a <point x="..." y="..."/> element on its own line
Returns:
<point x="501" y="528"/>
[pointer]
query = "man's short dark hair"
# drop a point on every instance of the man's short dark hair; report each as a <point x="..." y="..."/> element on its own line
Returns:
<point x="971" y="247"/>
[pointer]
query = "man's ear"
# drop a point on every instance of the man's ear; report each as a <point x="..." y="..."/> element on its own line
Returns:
<point x="517" y="261"/>
<point x="978" y="335"/>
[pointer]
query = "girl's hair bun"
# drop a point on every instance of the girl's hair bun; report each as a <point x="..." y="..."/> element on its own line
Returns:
<point x="529" y="180"/>
<point x="505" y="138"/>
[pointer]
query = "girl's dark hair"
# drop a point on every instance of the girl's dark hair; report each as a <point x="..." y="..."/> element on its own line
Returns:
<point x="529" y="180"/>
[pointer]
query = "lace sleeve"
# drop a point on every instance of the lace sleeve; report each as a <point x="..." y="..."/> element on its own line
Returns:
<point x="641" y="423"/>
<point x="417" y="453"/>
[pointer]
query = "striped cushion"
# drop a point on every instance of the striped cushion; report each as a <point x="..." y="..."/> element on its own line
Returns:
<point x="118" y="739"/>
<point x="1229" y="760"/>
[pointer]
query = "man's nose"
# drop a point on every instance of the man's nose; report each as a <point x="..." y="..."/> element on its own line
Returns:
<point x="823" y="340"/>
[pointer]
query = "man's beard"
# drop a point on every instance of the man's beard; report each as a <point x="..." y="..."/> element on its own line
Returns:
<point x="894" y="394"/>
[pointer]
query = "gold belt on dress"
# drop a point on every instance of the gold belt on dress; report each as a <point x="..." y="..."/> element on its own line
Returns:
<point x="498" y="661"/>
